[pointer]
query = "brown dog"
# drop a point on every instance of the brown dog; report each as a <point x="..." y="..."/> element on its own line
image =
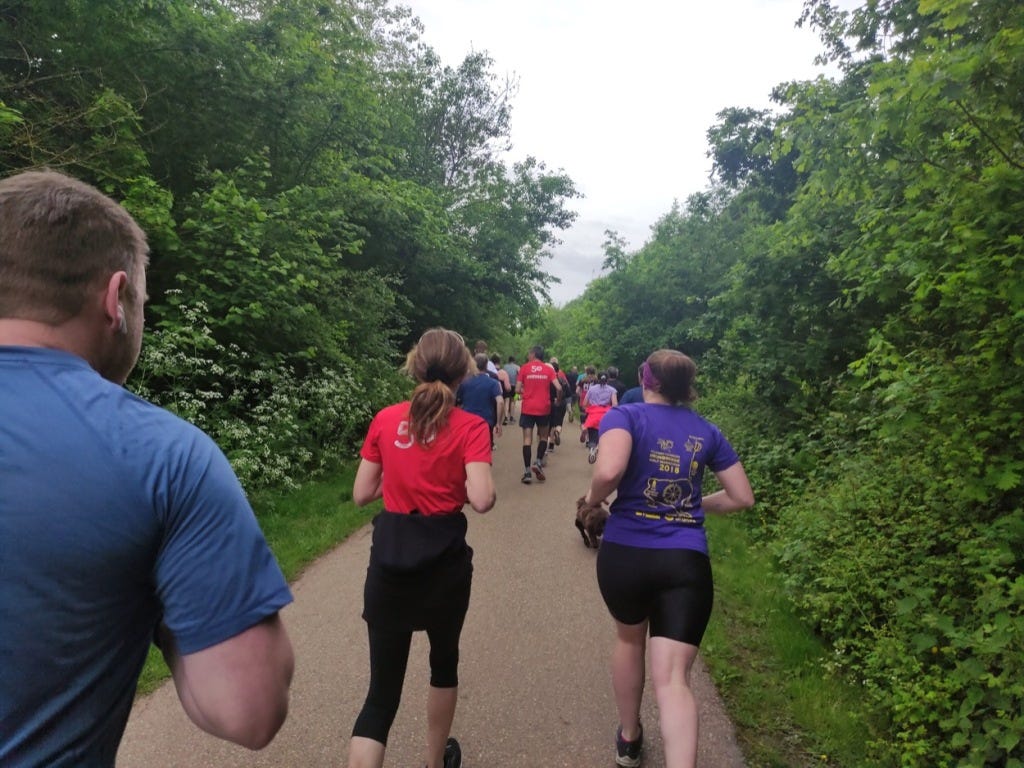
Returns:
<point x="590" y="520"/>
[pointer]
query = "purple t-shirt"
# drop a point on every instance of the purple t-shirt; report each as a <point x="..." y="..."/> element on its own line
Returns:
<point x="658" y="504"/>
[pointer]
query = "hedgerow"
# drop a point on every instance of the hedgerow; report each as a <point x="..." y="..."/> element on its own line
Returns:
<point x="920" y="598"/>
<point x="275" y="427"/>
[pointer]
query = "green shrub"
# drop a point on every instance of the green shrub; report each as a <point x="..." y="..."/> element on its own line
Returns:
<point x="921" y="600"/>
<point x="273" y="425"/>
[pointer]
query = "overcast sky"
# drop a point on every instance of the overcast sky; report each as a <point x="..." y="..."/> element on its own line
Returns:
<point x="620" y="95"/>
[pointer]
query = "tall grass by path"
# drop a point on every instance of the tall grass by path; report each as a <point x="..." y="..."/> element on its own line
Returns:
<point x="772" y="671"/>
<point x="300" y="525"/>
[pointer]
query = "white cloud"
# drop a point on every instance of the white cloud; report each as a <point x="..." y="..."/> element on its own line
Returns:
<point x="621" y="94"/>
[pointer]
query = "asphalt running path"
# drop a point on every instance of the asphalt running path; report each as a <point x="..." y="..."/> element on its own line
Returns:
<point x="535" y="688"/>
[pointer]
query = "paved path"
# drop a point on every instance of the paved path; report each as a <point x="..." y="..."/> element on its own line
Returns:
<point x="534" y="681"/>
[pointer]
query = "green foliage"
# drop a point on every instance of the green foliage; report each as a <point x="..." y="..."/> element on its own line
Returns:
<point x="293" y="427"/>
<point x="509" y="222"/>
<point x="8" y="116"/>
<point x="861" y="325"/>
<point x="274" y="288"/>
<point x="792" y="707"/>
<point x="919" y="599"/>
<point x="660" y="296"/>
<point x="464" y="122"/>
<point x="316" y="189"/>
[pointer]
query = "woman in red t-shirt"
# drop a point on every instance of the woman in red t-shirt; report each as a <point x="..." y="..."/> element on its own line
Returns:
<point x="427" y="459"/>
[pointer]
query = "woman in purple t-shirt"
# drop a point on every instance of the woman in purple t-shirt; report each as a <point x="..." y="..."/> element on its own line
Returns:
<point x="652" y="567"/>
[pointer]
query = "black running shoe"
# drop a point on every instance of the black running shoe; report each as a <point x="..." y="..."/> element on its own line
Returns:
<point x="538" y="470"/>
<point x="452" y="754"/>
<point x="627" y="753"/>
<point x="527" y="477"/>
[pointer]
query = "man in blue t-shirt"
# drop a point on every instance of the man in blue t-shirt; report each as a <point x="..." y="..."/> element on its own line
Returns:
<point x="481" y="394"/>
<point x="633" y="394"/>
<point x="120" y="524"/>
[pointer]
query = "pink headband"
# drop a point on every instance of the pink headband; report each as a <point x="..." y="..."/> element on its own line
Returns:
<point x="650" y="381"/>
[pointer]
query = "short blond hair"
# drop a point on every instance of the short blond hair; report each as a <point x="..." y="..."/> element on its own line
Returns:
<point x="60" y="237"/>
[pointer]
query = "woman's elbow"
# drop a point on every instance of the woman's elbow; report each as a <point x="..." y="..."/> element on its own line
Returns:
<point x="363" y="491"/>
<point x="483" y="502"/>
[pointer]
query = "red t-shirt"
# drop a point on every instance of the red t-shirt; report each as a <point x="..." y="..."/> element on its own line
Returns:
<point x="536" y="378"/>
<point x="431" y="479"/>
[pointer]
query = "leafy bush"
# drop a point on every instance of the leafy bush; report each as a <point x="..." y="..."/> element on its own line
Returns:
<point x="778" y="456"/>
<point x="274" y="426"/>
<point x="922" y="603"/>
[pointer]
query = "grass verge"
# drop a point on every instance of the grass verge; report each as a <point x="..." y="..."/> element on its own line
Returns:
<point x="772" y="671"/>
<point x="300" y="525"/>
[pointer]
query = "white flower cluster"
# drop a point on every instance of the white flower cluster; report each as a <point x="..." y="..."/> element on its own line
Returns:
<point x="276" y="427"/>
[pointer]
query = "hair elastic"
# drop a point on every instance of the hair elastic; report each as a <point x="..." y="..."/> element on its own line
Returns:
<point x="650" y="381"/>
<point x="434" y="373"/>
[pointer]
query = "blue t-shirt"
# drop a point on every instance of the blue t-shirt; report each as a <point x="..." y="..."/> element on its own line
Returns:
<point x="632" y="395"/>
<point x="658" y="502"/>
<point x="477" y="394"/>
<point x="115" y="515"/>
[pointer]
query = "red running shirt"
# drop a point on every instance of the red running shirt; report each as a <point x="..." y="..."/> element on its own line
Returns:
<point x="536" y="378"/>
<point x="431" y="479"/>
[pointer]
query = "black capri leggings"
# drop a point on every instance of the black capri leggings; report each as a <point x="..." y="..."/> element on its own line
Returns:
<point x="558" y="415"/>
<point x="389" y="656"/>
<point x="419" y="578"/>
<point x="673" y="588"/>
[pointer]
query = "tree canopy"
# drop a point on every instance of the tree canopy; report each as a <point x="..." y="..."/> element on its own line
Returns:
<point x="317" y="188"/>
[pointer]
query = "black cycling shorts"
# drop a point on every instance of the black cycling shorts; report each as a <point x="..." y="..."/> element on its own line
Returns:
<point x="672" y="588"/>
<point x="529" y="421"/>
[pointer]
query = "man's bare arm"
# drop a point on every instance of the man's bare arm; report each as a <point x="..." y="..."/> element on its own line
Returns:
<point x="238" y="689"/>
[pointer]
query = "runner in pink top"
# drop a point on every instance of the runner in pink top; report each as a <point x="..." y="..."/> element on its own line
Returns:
<point x="600" y="398"/>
